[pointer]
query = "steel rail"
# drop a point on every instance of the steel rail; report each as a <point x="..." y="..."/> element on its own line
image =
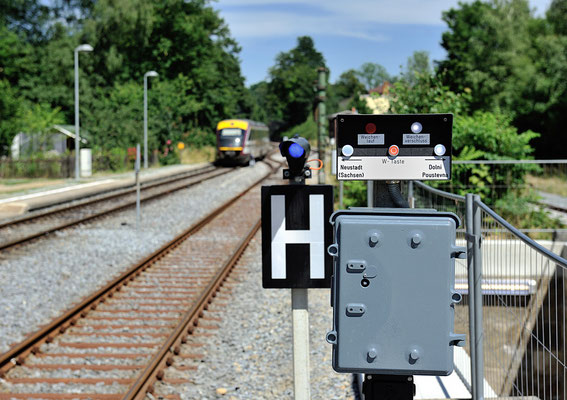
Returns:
<point x="105" y="195"/>
<point x="143" y="384"/>
<point x="49" y="231"/>
<point x="16" y="354"/>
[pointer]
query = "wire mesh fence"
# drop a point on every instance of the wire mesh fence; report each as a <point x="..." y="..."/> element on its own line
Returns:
<point x="523" y="313"/>
<point x="423" y="196"/>
<point x="494" y="178"/>
<point x="514" y="303"/>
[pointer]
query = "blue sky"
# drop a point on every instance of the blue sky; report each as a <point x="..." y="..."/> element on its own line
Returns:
<point x="348" y="33"/>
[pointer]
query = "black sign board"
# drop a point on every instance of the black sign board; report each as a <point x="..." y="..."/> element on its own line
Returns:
<point x="295" y="236"/>
<point x="394" y="147"/>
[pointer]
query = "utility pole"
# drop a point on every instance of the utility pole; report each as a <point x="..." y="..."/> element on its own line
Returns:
<point x="322" y="119"/>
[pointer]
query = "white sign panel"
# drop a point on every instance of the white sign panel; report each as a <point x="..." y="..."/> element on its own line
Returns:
<point x="388" y="168"/>
<point x="416" y="139"/>
<point x="377" y="139"/>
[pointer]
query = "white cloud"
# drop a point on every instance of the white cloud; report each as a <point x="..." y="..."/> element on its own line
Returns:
<point x="426" y="12"/>
<point x="356" y="18"/>
<point x="264" y="24"/>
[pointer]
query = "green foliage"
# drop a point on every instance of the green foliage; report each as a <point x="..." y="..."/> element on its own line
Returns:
<point x="167" y="155"/>
<point x="417" y="65"/>
<point x="490" y="136"/>
<point x="186" y="42"/>
<point x="557" y="16"/>
<point x="348" y="85"/>
<point x="427" y="94"/>
<point x="289" y="95"/>
<point x="513" y="63"/>
<point x="9" y="116"/>
<point x="354" y="194"/>
<point x="114" y="116"/>
<point x="521" y="212"/>
<point x="480" y="136"/>
<point x="371" y="75"/>
<point x="345" y="89"/>
<point x="359" y="105"/>
<point x="307" y="129"/>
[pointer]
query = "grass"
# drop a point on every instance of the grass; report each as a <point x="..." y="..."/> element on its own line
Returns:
<point x="12" y="182"/>
<point x="191" y="155"/>
<point x="555" y="185"/>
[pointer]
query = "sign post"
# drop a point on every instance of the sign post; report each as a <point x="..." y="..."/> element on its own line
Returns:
<point x="294" y="242"/>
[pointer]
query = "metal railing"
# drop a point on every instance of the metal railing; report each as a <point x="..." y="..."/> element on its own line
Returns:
<point x="492" y="178"/>
<point x="514" y="303"/>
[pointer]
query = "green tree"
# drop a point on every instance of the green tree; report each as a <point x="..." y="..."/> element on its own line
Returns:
<point x="482" y="135"/>
<point x="557" y="16"/>
<point x="417" y="64"/>
<point x="10" y="108"/>
<point x="15" y="64"/>
<point x="291" y="83"/>
<point x="348" y="85"/>
<point x="371" y="75"/>
<point x="513" y="63"/>
<point x="487" y="48"/>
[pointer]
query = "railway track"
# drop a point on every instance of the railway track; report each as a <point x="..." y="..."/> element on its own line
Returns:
<point x="25" y="229"/>
<point x="117" y="343"/>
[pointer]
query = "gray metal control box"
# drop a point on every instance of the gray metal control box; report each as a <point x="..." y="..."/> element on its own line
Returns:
<point x="393" y="291"/>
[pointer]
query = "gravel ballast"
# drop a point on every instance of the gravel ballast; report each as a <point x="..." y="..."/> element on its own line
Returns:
<point x="41" y="280"/>
<point x="250" y="355"/>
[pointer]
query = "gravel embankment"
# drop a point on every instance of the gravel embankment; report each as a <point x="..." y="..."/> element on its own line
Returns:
<point x="41" y="280"/>
<point x="250" y="355"/>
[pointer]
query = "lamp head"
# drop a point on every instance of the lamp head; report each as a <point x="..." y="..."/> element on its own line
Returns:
<point x="151" y="73"/>
<point x="84" y="47"/>
<point x="296" y="150"/>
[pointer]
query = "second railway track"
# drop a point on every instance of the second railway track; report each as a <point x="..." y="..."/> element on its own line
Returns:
<point x="116" y="343"/>
<point x="22" y="230"/>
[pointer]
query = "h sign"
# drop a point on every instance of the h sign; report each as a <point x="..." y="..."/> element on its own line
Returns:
<point x="295" y="235"/>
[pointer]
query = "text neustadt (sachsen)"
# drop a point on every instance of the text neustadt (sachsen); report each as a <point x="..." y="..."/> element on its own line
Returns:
<point x="351" y="167"/>
<point x="351" y="175"/>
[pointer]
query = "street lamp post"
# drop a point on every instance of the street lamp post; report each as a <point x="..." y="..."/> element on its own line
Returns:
<point x="146" y="75"/>
<point x="83" y="47"/>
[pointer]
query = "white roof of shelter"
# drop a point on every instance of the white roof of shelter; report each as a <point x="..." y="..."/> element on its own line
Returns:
<point x="63" y="129"/>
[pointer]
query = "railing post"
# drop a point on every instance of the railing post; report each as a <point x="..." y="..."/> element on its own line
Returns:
<point x="470" y="275"/>
<point x="479" y="348"/>
<point x="411" y="199"/>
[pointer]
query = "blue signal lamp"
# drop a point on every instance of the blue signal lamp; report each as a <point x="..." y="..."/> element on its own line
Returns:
<point x="296" y="150"/>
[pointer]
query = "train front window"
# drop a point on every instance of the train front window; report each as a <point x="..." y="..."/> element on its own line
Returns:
<point x="231" y="132"/>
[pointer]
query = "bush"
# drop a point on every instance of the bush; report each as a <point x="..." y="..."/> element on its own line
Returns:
<point x="308" y="130"/>
<point x="354" y="194"/>
<point x="489" y="136"/>
<point x="521" y="212"/>
<point x="480" y="136"/>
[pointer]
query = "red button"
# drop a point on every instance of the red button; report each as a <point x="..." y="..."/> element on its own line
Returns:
<point x="394" y="150"/>
<point x="370" y="128"/>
